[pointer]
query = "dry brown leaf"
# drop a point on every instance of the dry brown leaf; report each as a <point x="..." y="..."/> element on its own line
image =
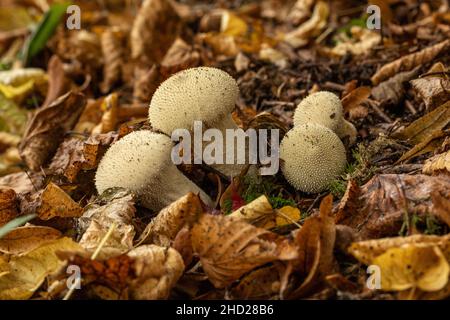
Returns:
<point x="354" y="98"/>
<point x="57" y="82"/>
<point x="97" y="220"/>
<point x="155" y="28"/>
<point x="163" y="229"/>
<point x="112" y="49"/>
<point x="263" y="283"/>
<point x="429" y="144"/>
<point x="301" y="35"/>
<point x="229" y="247"/>
<point x="110" y="117"/>
<point x="24" y="239"/>
<point x="22" y="182"/>
<point x="54" y="202"/>
<point x="392" y="90"/>
<point x="423" y="127"/>
<point x="180" y="56"/>
<point x="8" y="205"/>
<point x="146" y="82"/>
<point x="28" y="272"/>
<point x="315" y="241"/>
<point x="378" y="209"/>
<point x="434" y="89"/>
<point x="409" y="62"/>
<point x="437" y="164"/>
<point x="157" y="270"/>
<point x="74" y="154"/>
<point x="47" y="128"/>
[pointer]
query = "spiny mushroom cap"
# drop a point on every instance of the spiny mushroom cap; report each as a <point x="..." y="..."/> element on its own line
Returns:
<point x="312" y="156"/>
<point x="323" y="108"/>
<point x="204" y="94"/>
<point x="134" y="162"/>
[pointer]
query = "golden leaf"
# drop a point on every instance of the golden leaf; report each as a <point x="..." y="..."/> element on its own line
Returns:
<point x="27" y="272"/>
<point x="56" y="203"/>
<point x="287" y="215"/>
<point x="413" y="266"/>
<point x="27" y="238"/>
<point x="258" y="212"/>
<point x="438" y="163"/>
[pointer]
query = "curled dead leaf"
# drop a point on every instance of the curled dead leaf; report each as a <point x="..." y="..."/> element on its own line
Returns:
<point x="229" y="247"/>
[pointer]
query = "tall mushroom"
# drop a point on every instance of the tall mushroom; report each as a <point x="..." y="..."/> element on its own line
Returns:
<point x="311" y="157"/>
<point x="141" y="162"/>
<point x="326" y="109"/>
<point x="198" y="94"/>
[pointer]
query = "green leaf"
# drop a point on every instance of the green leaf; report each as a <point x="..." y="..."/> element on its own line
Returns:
<point x="17" y="222"/>
<point x="44" y="31"/>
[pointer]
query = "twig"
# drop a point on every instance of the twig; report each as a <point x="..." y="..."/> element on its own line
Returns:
<point x="410" y="107"/>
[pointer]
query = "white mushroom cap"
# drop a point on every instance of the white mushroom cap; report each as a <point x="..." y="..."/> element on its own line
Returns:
<point x="141" y="162"/>
<point x="323" y="108"/>
<point x="311" y="157"/>
<point x="204" y="94"/>
<point x="347" y="131"/>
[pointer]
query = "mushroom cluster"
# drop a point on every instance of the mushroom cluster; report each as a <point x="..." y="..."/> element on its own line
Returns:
<point x="141" y="162"/>
<point x="198" y="94"/>
<point x="326" y="109"/>
<point x="312" y="154"/>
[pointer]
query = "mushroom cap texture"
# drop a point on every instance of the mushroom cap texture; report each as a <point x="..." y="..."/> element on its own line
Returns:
<point x="323" y="108"/>
<point x="204" y="94"/>
<point x="312" y="156"/>
<point x="134" y="162"/>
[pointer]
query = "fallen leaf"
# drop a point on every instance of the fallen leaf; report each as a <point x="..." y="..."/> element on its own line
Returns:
<point x="24" y="239"/>
<point x="155" y="28"/>
<point x="229" y="247"/>
<point x="112" y="49"/>
<point x="157" y="270"/>
<point x="287" y="215"/>
<point x="163" y="229"/>
<point x="22" y="182"/>
<point x="423" y="127"/>
<point x="263" y="283"/>
<point x="259" y="212"/>
<point x="97" y="220"/>
<point x="437" y="164"/>
<point x="354" y="98"/>
<point x="408" y="62"/>
<point x="361" y="42"/>
<point x="413" y="266"/>
<point x="378" y="209"/>
<point x="8" y="205"/>
<point x="28" y="272"/>
<point x="47" y="127"/>
<point x="315" y="241"/>
<point x="392" y="90"/>
<point x="52" y="202"/>
<point x="301" y="35"/>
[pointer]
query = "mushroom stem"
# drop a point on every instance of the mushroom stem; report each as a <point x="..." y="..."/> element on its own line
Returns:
<point x="235" y="169"/>
<point x="179" y="186"/>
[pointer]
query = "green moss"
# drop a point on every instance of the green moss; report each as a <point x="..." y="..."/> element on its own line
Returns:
<point x="279" y="202"/>
<point x="227" y="206"/>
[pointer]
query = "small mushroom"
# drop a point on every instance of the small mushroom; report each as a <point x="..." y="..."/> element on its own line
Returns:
<point x="311" y="157"/>
<point x="198" y="94"/>
<point x="326" y="109"/>
<point x="141" y="162"/>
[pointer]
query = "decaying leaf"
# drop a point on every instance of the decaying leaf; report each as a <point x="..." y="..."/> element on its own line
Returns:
<point x="229" y="247"/>
<point x="259" y="212"/>
<point x="27" y="272"/>
<point x="54" y="202"/>
<point x="287" y="215"/>
<point x="315" y="241"/>
<point x="24" y="239"/>
<point x="154" y="30"/>
<point x="47" y="128"/>
<point x="263" y="283"/>
<point x="97" y="220"/>
<point x="409" y="62"/>
<point x="392" y="90"/>
<point x="362" y="41"/>
<point x="437" y="164"/>
<point x="112" y="49"/>
<point x="381" y="206"/>
<point x="8" y="205"/>
<point x="157" y="270"/>
<point x="354" y="98"/>
<point x="163" y="229"/>
<point x="423" y="127"/>
<point x="301" y="35"/>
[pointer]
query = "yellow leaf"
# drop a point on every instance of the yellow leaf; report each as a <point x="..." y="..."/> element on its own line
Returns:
<point x="17" y="93"/>
<point x="56" y="203"/>
<point x="27" y="238"/>
<point x="438" y="163"/>
<point x="258" y="212"/>
<point x="413" y="266"/>
<point x="287" y="215"/>
<point x="28" y="272"/>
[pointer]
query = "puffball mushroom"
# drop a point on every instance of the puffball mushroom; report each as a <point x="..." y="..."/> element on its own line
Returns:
<point x="311" y="157"/>
<point x="326" y="109"/>
<point x="198" y="94"/>
<point x="141" y="162"/>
